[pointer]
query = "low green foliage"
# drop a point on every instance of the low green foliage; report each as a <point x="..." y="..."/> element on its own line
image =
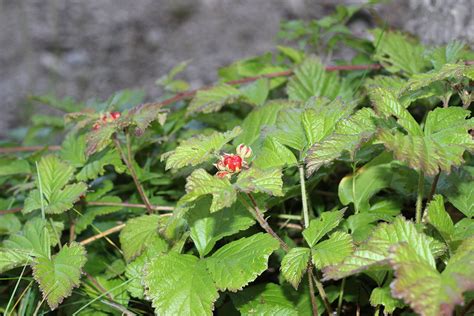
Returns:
<point x="293" y="190"/>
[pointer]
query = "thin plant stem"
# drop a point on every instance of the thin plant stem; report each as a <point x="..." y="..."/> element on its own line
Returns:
<point x="102" y="234"/>
<point x="131" y="205"/>
<point x="314" y="305"/>
<point x="16" y="286"/>
<point x="289" y="217"/>
<point x="322" y="293"/>
<point x="354" y="177"/>
<point x="341" y="295"/>
<point x="263" y="223"/>
<point x="304" y="198"/>
<point x="419" y="198"/>
<point x="21" y="297"/>
<point x="128" y="163"/>
<point x="43" y="216"/>
<point x="433" y="187"/>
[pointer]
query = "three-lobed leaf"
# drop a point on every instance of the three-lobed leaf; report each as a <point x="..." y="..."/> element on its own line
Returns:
<point x="57" y="195"/>
<point x="321" y="226"/>
<point x="57" y="276"/>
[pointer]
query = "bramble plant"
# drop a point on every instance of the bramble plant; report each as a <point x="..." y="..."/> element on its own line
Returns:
<point x="288" y="188"/>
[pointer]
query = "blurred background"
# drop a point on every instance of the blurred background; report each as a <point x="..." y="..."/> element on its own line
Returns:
<point x="92" y="48"/>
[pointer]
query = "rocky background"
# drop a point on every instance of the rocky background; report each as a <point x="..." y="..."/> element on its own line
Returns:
<point x="91" y="48"/>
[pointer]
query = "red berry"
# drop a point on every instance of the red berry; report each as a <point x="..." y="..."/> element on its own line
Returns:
<point x="233" y="163"/>
<point x="96" y="126"/>
<point x="104" y="118"/>
<point x="115" y="115"/>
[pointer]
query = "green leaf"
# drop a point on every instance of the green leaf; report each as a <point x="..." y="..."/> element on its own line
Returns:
<point x="257" y="180"/>
<point x="294" y="265"/>
<point x="311" y="79"/>
<point x="57" y="276"/>
<point x="396" y="52"/>
<point x="143" y="115"/>
<point x="374" y="253"/>
<point x="11" y="258"/>
<point x="267" y="299"/>
<point x="382" y="296"/>
<point x="258" y="118"/>
<point x="427" y="291"/>
<point x="320" y="118"/>
<point x="448" y="54"/>
<point x="180" y="285"/>
<point x="289" y="130"/>
<point x="213" y="99"/>
<point x="9" y="224"/>
<point x="73" y="150"/>
<point x="140" y="233"/>
<point x="257" y="91"/>
<point x="441" y="147"/>
<point x="273" y="154"/>
<point x="348" y="136"/>
<point x="34" y="240"/>
<point x="99" y="139"/>
<point x="58" y="196"/>
<point x="333" y="250"/>
<point x="12" y="167"/>
<point x="198" y="149"/>
<point x="97" y="162"/>
<point x="447" y="71"/>
<point x="386" y="105"/>
<point x="207" y="228"/>
<point x="321" y="226"/>
<point x="439" y="218"/>
<point x="368" y="181"/>
<point x="240" y="262"/>
<point x="463" y="229"/>
<point x="462" y="197"/>
<point x="135" y="270"/>
<point x="201" y="183"/>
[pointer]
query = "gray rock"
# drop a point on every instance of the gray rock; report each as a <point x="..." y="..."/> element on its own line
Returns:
<point x="90" y="48"/>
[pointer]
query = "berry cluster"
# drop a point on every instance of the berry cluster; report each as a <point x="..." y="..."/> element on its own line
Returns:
<point x="230" y="164"/>
<point x="105" y="118"/>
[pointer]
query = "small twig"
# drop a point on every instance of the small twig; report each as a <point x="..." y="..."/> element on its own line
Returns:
<point x="9" y="150"/>
<point x="102" y="234"/>
<point x="433" y="187"/>
<point x="322" y="293"/>
<point x="290" y="225"/>
<point x="264" y="224"/>
<point x="130" y="167"/>
<point x="119" y="307"/>
<point x="12" y="210"/>
<point x="132" y="205"/>
<point x="314" y="305"/>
